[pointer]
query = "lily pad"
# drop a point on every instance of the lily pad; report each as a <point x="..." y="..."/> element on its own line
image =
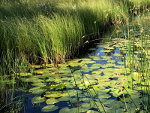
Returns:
<point x="37" y="90"/>
<point x="38" y="99"/>
<point x="51" y="101"/>
<point x="52" y="94"/>
<point x="64" y="99"/>
<point x="87" y="61"/>
<point x="84" y="107"/>
<point x="67" y="110"/>
<point x="39" y="84"/>
<point x="95" y="66"/>
<point x="95" y="58"/>
<point x="49" y="108"/>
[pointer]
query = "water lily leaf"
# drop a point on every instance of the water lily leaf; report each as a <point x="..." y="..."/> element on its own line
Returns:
<point x="69" y="85"/>
<point x="36" y="90"/>
<point x="51" y="101"/>
<point x="64" y="94"/>
<point x="117" y="55"/>
<point x="74" y="92"/>
<point x="99" y="71"/>
<point x="86" y="100"/>
<point x="121" y="63"/>
<point x="54" y="94"/>
<point x="86" y="69"/>
<point x="107" y="57"/>
<point x="113" y="104"/>
<point x="65" y="70"/>
<point x="95" y="58"/>
<point x="100" y="95"/>
<point x="111" y="61"/>
<point x="89" y="61"/>
<point x="67" y="110"/>
<point x="60" y="86"/>
<point x="37" y="99"/>
<point x="49" y="108"/>
<point x="74" y="100"/>
<point x="99" y="106"/>
<point x="39" y="84"/>
<point x="120" y="110"/>
<point x="64" y="98"/>
<point x="84" y="107"/>
<point x="32" y="79"/>
<point x="95" y="66"/>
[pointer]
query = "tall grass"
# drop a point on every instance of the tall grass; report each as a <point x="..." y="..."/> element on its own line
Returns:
<point x="51" y="31"/>
<point x="138" y="36"/>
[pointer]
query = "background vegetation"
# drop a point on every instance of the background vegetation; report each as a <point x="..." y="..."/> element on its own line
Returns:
<point x="50" y="31"/>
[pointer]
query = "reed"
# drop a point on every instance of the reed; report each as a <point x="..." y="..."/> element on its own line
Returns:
<point x="52" y="31"/>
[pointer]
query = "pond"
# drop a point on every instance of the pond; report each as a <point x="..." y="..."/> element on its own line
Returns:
<point x="99" y="82"/>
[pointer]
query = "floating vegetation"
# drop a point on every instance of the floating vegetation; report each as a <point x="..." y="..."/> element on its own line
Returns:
<point x="86" y="84"/>
<point x="94" y="84"/>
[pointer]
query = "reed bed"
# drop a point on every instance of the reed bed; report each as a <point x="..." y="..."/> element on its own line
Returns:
<point x="51" y="31"/>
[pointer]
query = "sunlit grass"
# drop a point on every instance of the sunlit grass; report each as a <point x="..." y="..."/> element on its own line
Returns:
<point x="51" y="31"/>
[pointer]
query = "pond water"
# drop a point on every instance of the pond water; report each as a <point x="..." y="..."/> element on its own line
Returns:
<point x="96" y="83"/>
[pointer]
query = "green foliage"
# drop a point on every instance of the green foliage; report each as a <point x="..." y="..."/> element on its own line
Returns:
<point x="35" y="31"/>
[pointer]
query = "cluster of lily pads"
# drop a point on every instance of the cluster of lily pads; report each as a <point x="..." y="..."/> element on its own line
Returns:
<point x="99" y="83"/>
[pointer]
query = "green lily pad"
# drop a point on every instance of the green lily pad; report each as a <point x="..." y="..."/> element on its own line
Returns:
<point x="87" y="61"/>
<point x="111" y="61"/>
<point x="65" y="70"/>
<point x="74" y="92"/>
<point x="100" y="95"/>
<point x="35" y="79"/>
<point x="60" y="86"/>
<point x="37" y="99"/>
<point x="39" y="84"/>
<point x="86" y="69"/>
<point x="74" y="100"/>
<point x="121" y="63"/>
<point x="52" y="94"/>
<point x="95" y="58"/>
<point x="99" y="71"/>
<point x="64" y="99"/>
<point x="67" y="110"/>
<point x="37" y="90"/>
<point x="51" y="101"/>
<point x="49" y="108"/>
<point x="84" y="107"/>
<point x="99" y="106"/>
<point x="95" y="66"/>
<point x="117" y="55"/>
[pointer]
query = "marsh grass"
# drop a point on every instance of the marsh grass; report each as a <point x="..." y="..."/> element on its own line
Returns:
<point x="51" y="31"/>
